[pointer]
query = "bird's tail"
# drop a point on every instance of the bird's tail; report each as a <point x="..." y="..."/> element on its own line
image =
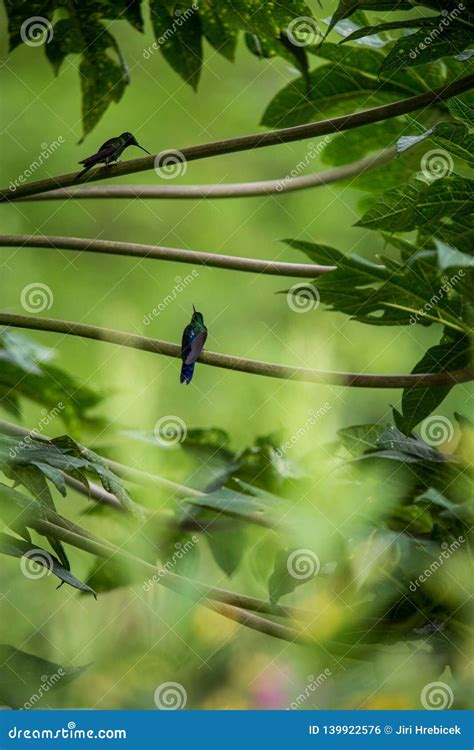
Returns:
<point x="81" y="174"/>
<point x="186" y="373"/>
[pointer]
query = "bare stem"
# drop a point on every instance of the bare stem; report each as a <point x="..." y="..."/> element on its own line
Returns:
<point x="257" y="140"/>
<point x="135" y="250"/>
<point x="231" y="190"/>
<point x="228" y="362"/>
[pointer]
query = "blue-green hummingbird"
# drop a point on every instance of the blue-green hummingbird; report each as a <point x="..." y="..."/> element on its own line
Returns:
<point x="194" y="338"/>
<point x="109" y="152"/>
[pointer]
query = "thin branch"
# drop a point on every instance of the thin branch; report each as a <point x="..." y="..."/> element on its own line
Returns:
<point x="232" y="190"/>
<point x="257" y="140"/>
<point x="107" y="550"/>
<point x="256" y="367"/>
<point x="135" y="250"/>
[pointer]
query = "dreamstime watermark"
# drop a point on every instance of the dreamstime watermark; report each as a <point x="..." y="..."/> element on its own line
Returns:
<point x="303" y="297"/>
<point x="446" y="18"/>
<point x="36" y="31"/>
<point x="181" y="550"/>
<point x="170" y="696"/>
<point x="448" y="550"/>
<point x="29" y="440"/>
<point x="313" y="416"/>
<point x="303" y="564"/>
<point x="314" y="150"/>
<point x="446" y="286"/>
<point x="180" y="285"/>
<point x="436" y="163"/>
<point x="303" y="31"/>
<point x="436" y="430"/>
<point x="36" y="297"/>
<point x="170" y="164"/>
<point x="180" y="18"/>
<point x="36" y="563"/>
<point x="313" y="684"/>
<point x="47" y="149"/>
<point x="170" y="430"/>
<point x="47" y="682"/>
<point x="436" y="696"/>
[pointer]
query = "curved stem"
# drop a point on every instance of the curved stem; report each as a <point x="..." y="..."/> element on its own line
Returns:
<point x="135" y="250"/>
<point x="256" y="367"/>
<point x="286" y="184"/>
<point x="247" y="142"/>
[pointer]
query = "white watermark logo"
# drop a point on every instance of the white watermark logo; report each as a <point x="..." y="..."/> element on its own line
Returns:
<point x="313" y="151"/>
<point x="436" y="430"/>
<point x="311" y="687"/>
<point x="36" y="563"/>
<point x="180" y="285"/>
<point x="170" y="696"/>
<point x="36" y="297"/>
<point x="171" y="164"/>
<point x="36" y="31"/>
<point x="180" y="18"/>
<point x="436" y="163"/>
<point x="437" y="696"/>
<point x="446" y="286"/>
<point x="47" y="149"/>
<point x="303" y="564"/>
<point x="313" y="416"/>
<point x="170" y="430"/>
<point x="448" y="550"/>
<point x="303" y="31"/>
<point x="181" y="550"/>
<point x="303" y="298"/>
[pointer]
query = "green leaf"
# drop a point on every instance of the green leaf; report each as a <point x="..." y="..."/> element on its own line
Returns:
<point x="26" y="372"/>
<point x="360" y="438"/>
<point x="62" y="454"/>
<point x="393" y="439"/>
<point x="420" y="401"/>
<point x="217" y="30"/>
<point x="389" y="294"/>
<point x="462" y="107"/>
<point x="292" y="568"/>
<point x="347" y="8"/>
<point x="227" y="547"/>
<point x="411" y="24"/>
<point x="414" y="50"/>
<point x="410" y="206"/>
<point x="25" y="680"/>
<point x="451" y="136"/>
<point x="177" y="29"/>
<point x="37" y="556"/>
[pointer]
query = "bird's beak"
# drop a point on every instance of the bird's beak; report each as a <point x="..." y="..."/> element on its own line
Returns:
<point x="143" y="149"/>
<point x="194" y="309"/>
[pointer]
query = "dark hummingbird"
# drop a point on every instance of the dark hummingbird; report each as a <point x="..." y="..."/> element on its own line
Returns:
<point x="194" y="338"/>
<point x="109" y="152"/>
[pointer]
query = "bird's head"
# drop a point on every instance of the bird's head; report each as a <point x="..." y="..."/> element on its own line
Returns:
<point x="198" y="317"/>
<point x="130" y="140"/>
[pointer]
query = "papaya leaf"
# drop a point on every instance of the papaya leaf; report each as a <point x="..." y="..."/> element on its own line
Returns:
<point x="25" y="679"/>
<point x="36" y="556"/>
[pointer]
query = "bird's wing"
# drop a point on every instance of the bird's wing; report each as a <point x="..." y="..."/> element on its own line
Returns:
<point x="106" y="150"/>
<point x="192" y="345"/>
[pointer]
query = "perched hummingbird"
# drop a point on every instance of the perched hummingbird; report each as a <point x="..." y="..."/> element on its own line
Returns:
<point x="109" y="152"/>
<point x="194" y="338"/>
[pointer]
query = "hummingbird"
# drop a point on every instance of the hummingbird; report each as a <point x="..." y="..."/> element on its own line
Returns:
<point x="194" y="338"/>
<point x="109" y="152"/>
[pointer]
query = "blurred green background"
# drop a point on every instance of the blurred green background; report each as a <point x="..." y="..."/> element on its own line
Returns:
<point x="134" y="641"/>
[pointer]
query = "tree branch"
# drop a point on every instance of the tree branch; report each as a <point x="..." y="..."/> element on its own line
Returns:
<point x="256" y="367"/>
<point x="135" y="250"/>
<point x="232" y="190"/>
<point x="257" y="140"/>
